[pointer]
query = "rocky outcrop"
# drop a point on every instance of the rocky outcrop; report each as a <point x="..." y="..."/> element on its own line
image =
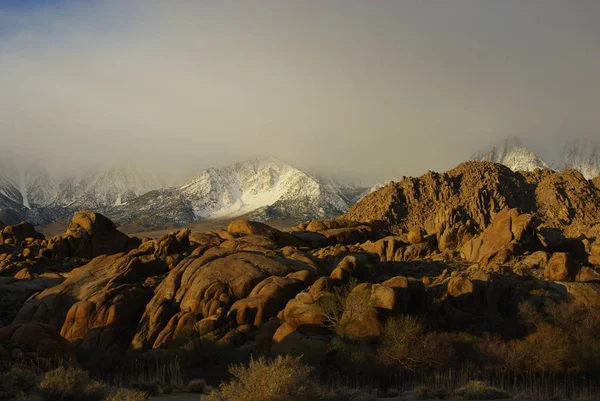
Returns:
<point x="369" y="304"/>
<point x="509" y="234"/>
<point x="89" y="235"/>
<point x="18" y="233"/>
<point x="34" y="340"/>
<point x="561" y="267"/>
<point x="470" y="195"/>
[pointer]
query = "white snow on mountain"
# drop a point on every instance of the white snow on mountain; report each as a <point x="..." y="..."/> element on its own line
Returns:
<point x="512" y="154"/>
<point x="582" y="155"/>
<point x="26" y="183"/>
<point x="368" y="191"/>
<point x="101" y="188"/>
<point x="245" y="187"/>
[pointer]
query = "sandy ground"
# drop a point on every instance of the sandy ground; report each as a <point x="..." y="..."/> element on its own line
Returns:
<point x="136" y="230"/>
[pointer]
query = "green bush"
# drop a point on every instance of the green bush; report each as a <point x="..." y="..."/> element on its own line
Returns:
<point x="127" y="395"/>
<point x="478" y="390"/>
<point x="70" y="384"/>
<point x="282" y="379"/>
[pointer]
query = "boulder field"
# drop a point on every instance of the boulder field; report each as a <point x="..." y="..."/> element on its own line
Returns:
<point x="428" y="246"/>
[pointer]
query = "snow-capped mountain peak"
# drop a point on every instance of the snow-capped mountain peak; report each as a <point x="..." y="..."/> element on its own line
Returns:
<point x="253" y="184"/>
<point x="512" y="154"/>
<point x="583" y="156"/>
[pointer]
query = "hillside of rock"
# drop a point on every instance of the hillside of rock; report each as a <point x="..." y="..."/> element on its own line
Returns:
<point x="467" y="197"/>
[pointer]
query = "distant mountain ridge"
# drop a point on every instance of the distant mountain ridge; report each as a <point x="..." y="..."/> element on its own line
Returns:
<point x="260" y="188"/>
<point x="265" y="188"/>
<point x="513" y="155"/>
<point x="583" y="156"/>
<point x="578" y="154"/>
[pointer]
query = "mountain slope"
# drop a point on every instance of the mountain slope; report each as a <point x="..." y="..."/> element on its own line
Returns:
<point x="512" y="154"/>
<point x="104" y="188"/>
<point x="26" y="183"/>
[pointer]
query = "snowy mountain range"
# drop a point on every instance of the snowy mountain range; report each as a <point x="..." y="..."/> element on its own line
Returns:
<point x="264" y="188"/>
<point x="512" y="154"/>
<point x="261" y="189"/>
<point x="577" y="154"/>
<point x="28" y="192"/>
<point x="583" y="156"/>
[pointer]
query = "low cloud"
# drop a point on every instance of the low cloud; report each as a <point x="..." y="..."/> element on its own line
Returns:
<point x="339" y="86"/>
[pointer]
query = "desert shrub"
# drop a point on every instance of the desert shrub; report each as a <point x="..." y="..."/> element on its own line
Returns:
<point x="282" y="379"/>
<point x="581" y="327"/>
<point x="167" y="389"/>
<point x="196" y="386"/>
<point x="478" y="390"/>
<point x="147" y="387"/>
<point x="405" y="344"/>
<point x="545" y="350"/>
<point x="70" y="384"/>
<point x="127" y="395"/>
<point x="334" y="304"/>
<point x="427" y="393"/>
<point x="19" y="381"/>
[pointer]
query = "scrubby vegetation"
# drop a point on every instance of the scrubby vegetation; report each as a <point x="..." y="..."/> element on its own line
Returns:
<point x="478" y="390"/>
<point x="127" y="395"/>
<point x="18" y="382"/>
<point x="70" y="384"/>
<point x="281" y="379"/>
<point x="405" y="345"/>
<point x="197" y="386"/>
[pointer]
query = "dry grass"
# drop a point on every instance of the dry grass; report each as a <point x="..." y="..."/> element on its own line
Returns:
<point x="127" y="395"/>
<point x="281" y="379"/>
<point x="478" y="390"/>
<point x="70" y="384"/>
<point x="405" y="345"/>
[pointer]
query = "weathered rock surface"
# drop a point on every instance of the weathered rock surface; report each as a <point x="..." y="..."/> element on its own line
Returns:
<point x="35" y="340"/>
<point x="561" y="267"/>
<point x="89" y="235"/>
<point x="510" y="233"/>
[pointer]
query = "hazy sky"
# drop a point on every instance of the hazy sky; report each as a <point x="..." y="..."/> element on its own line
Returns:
<point x="374" y="89"/>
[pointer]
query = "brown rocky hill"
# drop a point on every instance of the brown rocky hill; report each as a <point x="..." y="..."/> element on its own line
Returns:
<point x="466" y="198"/>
